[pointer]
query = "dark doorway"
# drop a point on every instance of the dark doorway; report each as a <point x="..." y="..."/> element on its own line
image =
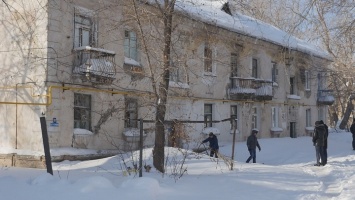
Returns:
<point x="293" y="130"/>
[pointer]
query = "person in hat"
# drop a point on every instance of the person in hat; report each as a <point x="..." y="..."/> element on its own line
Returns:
<point x="212" y="139"/>
<point x="319" y="139"/>
<point x="325" y="147"/>
<point x="352" y="130"/>
<point x="252" y="143"/>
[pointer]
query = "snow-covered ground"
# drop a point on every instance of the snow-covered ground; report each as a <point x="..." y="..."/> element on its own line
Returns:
<point x="284" y="170"/>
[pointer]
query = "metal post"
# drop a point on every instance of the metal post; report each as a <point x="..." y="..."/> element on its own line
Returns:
<point x="140" y="147"/>
<point x="234" y="123"/>
<point x="47" y="153"/>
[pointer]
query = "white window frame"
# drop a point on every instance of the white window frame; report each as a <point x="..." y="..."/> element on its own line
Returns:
<point x="131" y="45"/>
<point x="84" y="22"/>
<point x="82" y="111"/>
<point x="322" y="81"/>
<point x="208" y="58"/>
<point x="255" y="67"/>
<point x="307" y="80"/>
<point x="293" y="85"/>
<point x="274" y="117"/>
<point x="174" y="71"/>
<point x="274" y="72"/>
<point x="208" y="116"/>
<point x="254" y="117"/>
<point x="131" y="113"/>
<point x="308" y="117"/>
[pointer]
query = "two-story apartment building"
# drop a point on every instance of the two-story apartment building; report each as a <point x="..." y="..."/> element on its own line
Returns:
<point x="90" y="69"/>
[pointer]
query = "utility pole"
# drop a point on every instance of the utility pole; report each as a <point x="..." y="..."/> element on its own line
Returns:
<point x="234" y="124"/>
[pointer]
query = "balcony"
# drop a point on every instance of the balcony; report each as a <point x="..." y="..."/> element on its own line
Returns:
<point x="263" y="90"/>
<point x="250" y="89"/>
<point x="94" y="65"/>
<point x="325" y="97"/>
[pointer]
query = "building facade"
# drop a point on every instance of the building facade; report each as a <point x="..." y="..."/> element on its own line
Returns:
<point x="91" y="70"/>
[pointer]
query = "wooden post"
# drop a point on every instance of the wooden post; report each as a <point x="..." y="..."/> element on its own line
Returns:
<point x="140" y="147"/>
<point x="47" y="153"/>
<point x="234" y="124"/>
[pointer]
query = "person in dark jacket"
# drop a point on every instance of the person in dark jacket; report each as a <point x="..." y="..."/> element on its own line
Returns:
<point x="319" y="142"/>
<point x="212" y="139"/>
<point x="252" y="143"/>
<point x="352" y="130"/>
<point x="325" y="147"/>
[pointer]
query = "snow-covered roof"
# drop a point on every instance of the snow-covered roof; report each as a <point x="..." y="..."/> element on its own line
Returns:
<point x="210" y="11"/>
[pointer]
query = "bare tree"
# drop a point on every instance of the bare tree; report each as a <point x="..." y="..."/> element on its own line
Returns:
<point x="163" y="13"/>
<point x="329" y="24"/>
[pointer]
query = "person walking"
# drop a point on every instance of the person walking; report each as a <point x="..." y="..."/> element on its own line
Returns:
<point x="252" y="143"/>
<point x="212" y="139"/>
<point x="352" y="130"/>
<point x="319" y="142"/>
<point x="325" y="147"/>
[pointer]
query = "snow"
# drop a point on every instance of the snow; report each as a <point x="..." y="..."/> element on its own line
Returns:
<point x="210" y="11"/>
<point x="88" y="48"/>
<point x="276" y="129"/>
<point x="132" y="132"/>
<point x="284" y="170"/>
<point x="79" y="131"/>
<point x="292" y="96"/>
<point x="130" y="61"/>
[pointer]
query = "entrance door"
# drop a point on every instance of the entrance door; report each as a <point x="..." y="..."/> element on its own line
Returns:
<point x="293" y="130"/>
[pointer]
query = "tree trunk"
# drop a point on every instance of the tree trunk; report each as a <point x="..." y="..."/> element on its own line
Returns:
<point x="158" y="156"/>
<point x="348" y="110"/>
<point x="158" y="152"/>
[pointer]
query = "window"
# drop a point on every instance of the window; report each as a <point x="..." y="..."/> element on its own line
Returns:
<point x="84" y="28"/>
<point x="174" y="71"/>
<point x="254" y="118"/>
<point x="308" y="118"/>
<point x="254" y="69"/>
<point x="82" y="111"/>
<point x="322" y="82"/>
<point x="275" y="117"/>
<point x="274" y="72"/>
<point x="207" y="58"/>
<point x="131" y="45"/>
<point x="307" y="80"/>
<point x="208" y="115"/>
<point x="174" y="74"/>
<point x="321" y="113"/>
<point x="234" y="65"/>
<point x="131" y="115"/>
<point x="292" y="85"/>
<point x="234" y="113"/>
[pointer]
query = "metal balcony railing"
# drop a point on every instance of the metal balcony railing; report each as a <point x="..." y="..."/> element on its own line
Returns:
<point x="94" y="65"/>
<point x="325" y="97"/>
<point x="250" y="88"/>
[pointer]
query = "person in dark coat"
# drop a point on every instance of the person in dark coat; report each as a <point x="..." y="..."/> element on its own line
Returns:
<point x="252" y="143"/>
<point x="325" y="148"/>
<point x="352" y="130"/>
<point x="212" y="139"/>
<point x="319" y="142"/>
